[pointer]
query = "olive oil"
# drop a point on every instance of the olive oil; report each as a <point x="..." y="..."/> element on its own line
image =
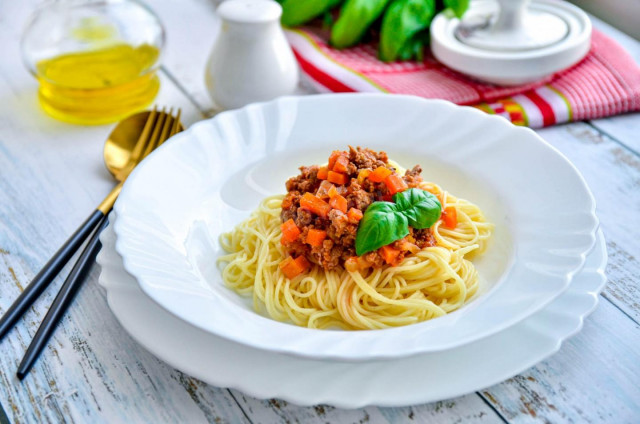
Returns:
<point x="98" y="86"/>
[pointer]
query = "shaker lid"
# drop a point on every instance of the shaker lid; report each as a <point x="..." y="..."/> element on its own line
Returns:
<point x="249" y="11"/>
<point x="511" y="42"/>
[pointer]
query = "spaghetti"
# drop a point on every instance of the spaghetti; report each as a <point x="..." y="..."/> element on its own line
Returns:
<point x="426" y="284"/>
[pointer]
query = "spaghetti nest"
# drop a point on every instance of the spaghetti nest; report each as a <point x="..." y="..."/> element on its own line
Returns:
<point x="428" y="284"/>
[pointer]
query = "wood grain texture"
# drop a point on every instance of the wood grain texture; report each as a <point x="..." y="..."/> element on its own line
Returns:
<point x="51" y="177"/>
<point x="623" y="128"/>
<point x="588" y="381"/>
<point x="613" y="174"/>
<point x="467" y="409"/>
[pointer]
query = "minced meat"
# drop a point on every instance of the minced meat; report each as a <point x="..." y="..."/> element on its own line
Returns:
<point x="349" y="179"/>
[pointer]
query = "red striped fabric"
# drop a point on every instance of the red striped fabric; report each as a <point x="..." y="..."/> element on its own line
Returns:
<point x="548" y="116"/>
<point x="605" y="83"/>
<point x="321" y="77"/>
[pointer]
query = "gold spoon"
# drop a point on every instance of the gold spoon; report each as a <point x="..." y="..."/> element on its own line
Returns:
<point x="127" y="145"/>
<point x="131" y="141"/>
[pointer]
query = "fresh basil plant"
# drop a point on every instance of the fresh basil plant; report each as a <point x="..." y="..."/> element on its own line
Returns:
<point x="402" y="25"/>
<point x="385" y="222"/>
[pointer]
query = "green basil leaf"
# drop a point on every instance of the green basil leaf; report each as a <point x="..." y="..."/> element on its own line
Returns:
<point x="297" y="12"/>
<point x="402" y="20"/>
<point x="421" y="208"/>
<point x="356" y="16"/>
<point x="381" y="224"/>
<point x="457" y="6"/>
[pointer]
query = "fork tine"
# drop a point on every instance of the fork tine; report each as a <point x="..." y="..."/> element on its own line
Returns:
<point x="166" y="129"/>
<point x="155" y="136"/>
<point x="144" y="136"/>
<point x="175" y="128"/>
<point x="163" y="133"/>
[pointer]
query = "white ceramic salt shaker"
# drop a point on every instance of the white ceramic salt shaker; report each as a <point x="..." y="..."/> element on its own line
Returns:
<point x="251" y="60"/>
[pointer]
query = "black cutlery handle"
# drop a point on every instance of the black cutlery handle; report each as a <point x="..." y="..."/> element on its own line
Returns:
<point x="48" y="273"/>
<point x="62" y="301"/>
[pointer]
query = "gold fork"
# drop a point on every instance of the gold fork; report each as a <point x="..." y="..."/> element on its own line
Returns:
<point x="158" y="127"/>
<point x="124" y="149"/>
<point x="120" y="161"/>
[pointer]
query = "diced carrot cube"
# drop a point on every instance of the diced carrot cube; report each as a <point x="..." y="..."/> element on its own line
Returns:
<point x="303" y="263"/>
<point x="338" y="202"/>
<point x="337" y="178"/>
<point x="450" y="217"/>
<point x="315" y="205"/>
<point x="354" y="215"/>
<point x="290" y="232"/>
<point x="316" y="237"/>
<point x="389" y="254"/>
<point x="395" y="184"/>
<point x="333" y="158"/>
<point x="291" y="268"/>
<point x="341" y="165"/>
<point x="380" y="174"/>
<point x="323" y="172"/>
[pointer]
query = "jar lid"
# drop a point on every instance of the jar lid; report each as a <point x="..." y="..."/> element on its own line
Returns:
<point x="512" y="42"/>
<point x="249" y="11"/>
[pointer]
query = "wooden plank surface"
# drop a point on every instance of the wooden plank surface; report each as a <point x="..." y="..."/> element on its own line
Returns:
<point x="51" y="177"/>
<point x="594" y="378"/>
<point x="613" y="174"/>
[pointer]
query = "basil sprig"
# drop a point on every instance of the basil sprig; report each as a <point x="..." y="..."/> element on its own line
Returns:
<point x="385" y="222"/>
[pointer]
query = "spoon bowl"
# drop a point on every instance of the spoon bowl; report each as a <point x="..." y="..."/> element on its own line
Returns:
<point x="121" y="142"/>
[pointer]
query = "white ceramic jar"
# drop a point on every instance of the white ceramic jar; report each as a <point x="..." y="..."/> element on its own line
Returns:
<point x="251" y="60"/>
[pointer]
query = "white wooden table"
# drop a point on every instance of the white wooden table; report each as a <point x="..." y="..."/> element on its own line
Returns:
<point x="51" y="177"/>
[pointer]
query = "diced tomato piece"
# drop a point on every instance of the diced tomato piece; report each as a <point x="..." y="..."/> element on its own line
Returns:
<point x="323" y="172"/>
<point x="354" y="215"/>
<point x="290" y="232"/>
<point x="323" y="190"/>
<point x="389" y="254"/>
<point x="341" y="165"/>
<point x="333" y="158"/>
<point x="395" y="184"/>
<point x="338" y="202"/>
<point x="315" y="205"/>
<point x="380" y="174"/>
<point x="356" y="263"/>
<point x="352" y="264"/>
<point x="316" y="237"/>
<point x="291" y="268"/>
<point x="407" y="246"/>
<point x="450" y="217"/>
<point x="364" y="173"/>
<point x="337" y="178"/>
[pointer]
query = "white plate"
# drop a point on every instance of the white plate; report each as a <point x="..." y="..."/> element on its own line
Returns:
<point x="208" y="178"/>
<point x="400" y="382"/>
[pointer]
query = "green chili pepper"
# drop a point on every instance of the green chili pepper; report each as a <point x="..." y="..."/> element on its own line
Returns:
<point x="457" y="6"/>
<point x="402" y="22"/>
<point x="297" y="12"/>
<point x="355" y="18"/>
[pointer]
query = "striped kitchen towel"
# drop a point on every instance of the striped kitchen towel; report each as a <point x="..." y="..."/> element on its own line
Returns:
<point x="605" y="83"/>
